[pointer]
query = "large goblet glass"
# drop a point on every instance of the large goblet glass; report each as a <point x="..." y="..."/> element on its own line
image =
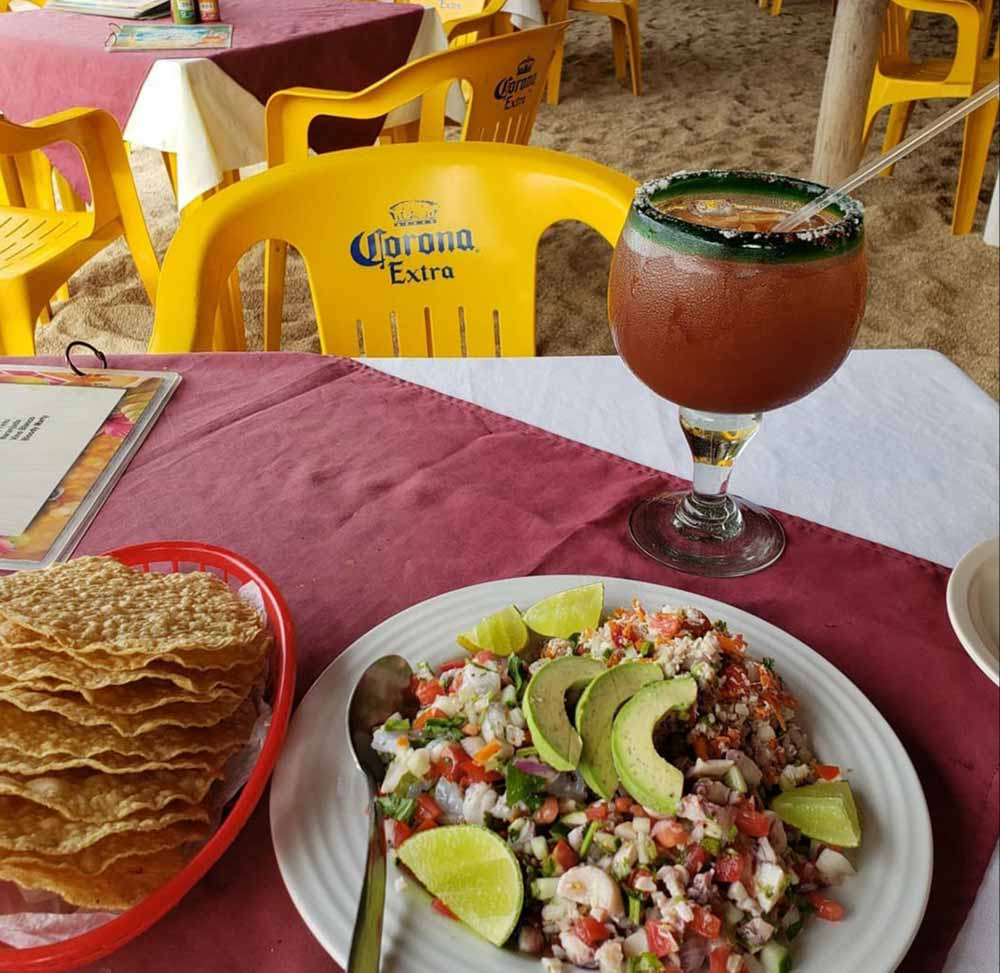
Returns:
<point x="728" y="320"/>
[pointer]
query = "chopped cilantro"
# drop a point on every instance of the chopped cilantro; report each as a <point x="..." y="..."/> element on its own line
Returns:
<point x="522" y="786"/>
<point x="515" y="669"/>
<point x="443" y="727"/>
<point x="721" y="625"/>
<point x="767" y="662"/>
<point x="574" y="639"/>
<point x="400" y="808"/>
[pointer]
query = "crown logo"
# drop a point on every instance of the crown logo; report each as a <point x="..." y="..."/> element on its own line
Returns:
<point x="414" y="212"/>
<point x="525" y="66"/>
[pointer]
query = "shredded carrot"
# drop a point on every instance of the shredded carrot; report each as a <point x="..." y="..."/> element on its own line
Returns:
<point x="427" y="714"/>
<point x="482" y="756"/>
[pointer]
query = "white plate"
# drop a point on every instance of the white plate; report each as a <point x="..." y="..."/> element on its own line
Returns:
<point x="974" y="605"/>
<point x="318" y="796"/>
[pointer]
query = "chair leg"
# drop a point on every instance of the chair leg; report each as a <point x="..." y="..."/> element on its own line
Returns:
<point x="275" y="261"/>
<point x="634" y="51"/>
<point x="775" y="7"/>
<point x="618" y="43"/>
<point x="71" y="203"/>
<point x="975" y="149"/>
<point x="556" y="12"/>
<point x="895" y="129"/>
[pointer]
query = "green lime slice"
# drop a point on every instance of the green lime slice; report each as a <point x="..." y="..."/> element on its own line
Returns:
<point x="562" y="614"/>
<point x="475" y="874"/>
<point x="824" y="811"/>
<point x="501" y="633"/>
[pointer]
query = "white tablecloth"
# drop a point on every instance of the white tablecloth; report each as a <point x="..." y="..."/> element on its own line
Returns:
<point x="191" y="107"/>
<point x="900" y="447"/>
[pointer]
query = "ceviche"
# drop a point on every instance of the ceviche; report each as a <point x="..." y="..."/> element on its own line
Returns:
<point x="649" y="780"/>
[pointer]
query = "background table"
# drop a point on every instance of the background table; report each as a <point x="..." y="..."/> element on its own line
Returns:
<point x="900" y="447"/>
<point x="209" y="110"/>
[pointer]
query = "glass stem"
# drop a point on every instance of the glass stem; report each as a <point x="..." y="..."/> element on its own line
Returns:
<point x="715" y="440"/>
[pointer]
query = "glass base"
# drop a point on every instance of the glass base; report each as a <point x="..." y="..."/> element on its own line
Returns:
<point x="662" y="530"/>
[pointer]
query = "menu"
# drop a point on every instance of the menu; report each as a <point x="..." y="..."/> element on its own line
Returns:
<point x="65" y="439"/>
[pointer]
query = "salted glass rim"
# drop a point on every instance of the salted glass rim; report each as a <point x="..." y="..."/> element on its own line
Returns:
<point x="840" y="231"/>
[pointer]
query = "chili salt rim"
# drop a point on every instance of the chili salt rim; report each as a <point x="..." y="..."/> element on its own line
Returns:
<point x="842" y="231"/>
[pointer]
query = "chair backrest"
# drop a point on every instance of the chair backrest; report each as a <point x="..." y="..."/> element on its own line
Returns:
<point x="505" y="77"/>
<point x="414" y="249"/>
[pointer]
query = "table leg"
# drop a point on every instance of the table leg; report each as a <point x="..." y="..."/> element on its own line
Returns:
<point x="857" y="30"/>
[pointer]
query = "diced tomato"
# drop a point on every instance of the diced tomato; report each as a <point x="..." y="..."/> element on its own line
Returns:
<point x="438" y="906"/>
<point x="695" y="623"/>
<point x="751" y="822"/>
<point x="549" y="810"/>
<point x="428" y="807"/>
<point x="826" y="908"/>
<point x="400" y="832"/>
<point x="451" y="762"/>
<point x="700" y="745"/>
<point x="659" y="939"/>
<point x="483" y="657"/>
<point x="731" y="644"/>
<point x="669" y="834"/>
<point x="427" y="714"/>
<point x="427" y="690"/>
<point x="827" y="771"/>
<point x="425" y="825"/>
<point x="695" y="859"/>
<point x="564" y="856"/>
<point x="719" y="959"/>
<point x="597" y="811"/>
<point x="473" y="773"/>
<point x="706" y="923"/>
<point x="622" y="804"/>
<point x="665" y="626"/>
<point x="729" y="867"/>
<point x="592" y="932"/>
<point x="452" y="664"/>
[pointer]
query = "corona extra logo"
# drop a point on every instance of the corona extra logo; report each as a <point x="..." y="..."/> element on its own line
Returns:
<point x="407" y="256"/>
<point x="510" y="90"/>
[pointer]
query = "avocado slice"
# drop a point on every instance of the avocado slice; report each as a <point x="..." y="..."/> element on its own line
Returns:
<point x="595" y="714"/>
<point x="652" y="781"/>
<point x="544" y="705"/>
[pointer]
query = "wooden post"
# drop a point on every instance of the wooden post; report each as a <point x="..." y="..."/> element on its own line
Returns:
<point x="857" y="29"/>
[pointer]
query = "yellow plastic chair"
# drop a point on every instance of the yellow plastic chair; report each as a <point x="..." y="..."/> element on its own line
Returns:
<point x="466" y="21"/>
<point x="899" y="81"/>
<point x="775" y="6"/>
<point x="505" y="77"/>
<point x="976" y="147"/>
<point x="624" y="16"/>
<point x="420" y="249"/>
<point x="41" y="248"/>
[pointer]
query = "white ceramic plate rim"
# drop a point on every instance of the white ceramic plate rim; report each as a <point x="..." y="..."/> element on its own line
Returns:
<point x="416" y="939"/>
<point x="959" y="587"/>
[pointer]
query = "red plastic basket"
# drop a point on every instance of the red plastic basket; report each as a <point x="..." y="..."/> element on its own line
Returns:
<point x="186" y="556"/>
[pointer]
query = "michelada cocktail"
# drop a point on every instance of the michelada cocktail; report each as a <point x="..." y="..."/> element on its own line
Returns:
<point x="716" y="313"/>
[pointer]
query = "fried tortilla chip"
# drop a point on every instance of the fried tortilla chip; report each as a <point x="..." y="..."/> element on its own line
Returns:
<point x="101" y="854"/>
<point x="88" y="795"/>
<point x="40" y="734"/>
<point x="76" y="709"/>
<point x="120" y="886"/>
<point x="100" y="604"/>
<point x="15" y="762"/>
<point x="27" y="826"/>
<point x="191" y="658"/>
<point x="54" y="671"/>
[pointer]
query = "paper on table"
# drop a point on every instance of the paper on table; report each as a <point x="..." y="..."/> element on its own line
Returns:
<point x="43" y="429"/>
<point x="34" y="917"/>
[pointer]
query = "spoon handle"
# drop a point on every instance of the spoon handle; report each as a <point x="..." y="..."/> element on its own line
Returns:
<point x="366" y="943"/>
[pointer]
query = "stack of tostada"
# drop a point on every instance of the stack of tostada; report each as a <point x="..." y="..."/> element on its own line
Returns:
<point x="122" y="695"/>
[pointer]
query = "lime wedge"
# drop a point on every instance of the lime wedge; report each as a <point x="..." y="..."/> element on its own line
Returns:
<point x="562" y="614"/>
<point x="473" y="872"/>
<point x="501" y="633"/>
<point x="824" y="811"/>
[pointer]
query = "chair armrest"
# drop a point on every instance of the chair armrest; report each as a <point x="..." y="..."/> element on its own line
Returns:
<point x="480" y="22"/>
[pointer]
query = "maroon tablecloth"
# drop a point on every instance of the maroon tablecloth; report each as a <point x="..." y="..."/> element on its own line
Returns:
<point x="50" y="61"/>
<point x="361" y="494"/>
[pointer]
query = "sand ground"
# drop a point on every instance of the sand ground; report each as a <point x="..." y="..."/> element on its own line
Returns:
<point x="726" y="85"/>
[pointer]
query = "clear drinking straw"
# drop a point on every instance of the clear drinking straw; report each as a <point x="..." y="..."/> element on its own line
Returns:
<point x="904" y="148"/>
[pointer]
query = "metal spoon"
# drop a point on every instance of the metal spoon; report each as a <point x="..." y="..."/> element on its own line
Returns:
<point x="383" y="689"/>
